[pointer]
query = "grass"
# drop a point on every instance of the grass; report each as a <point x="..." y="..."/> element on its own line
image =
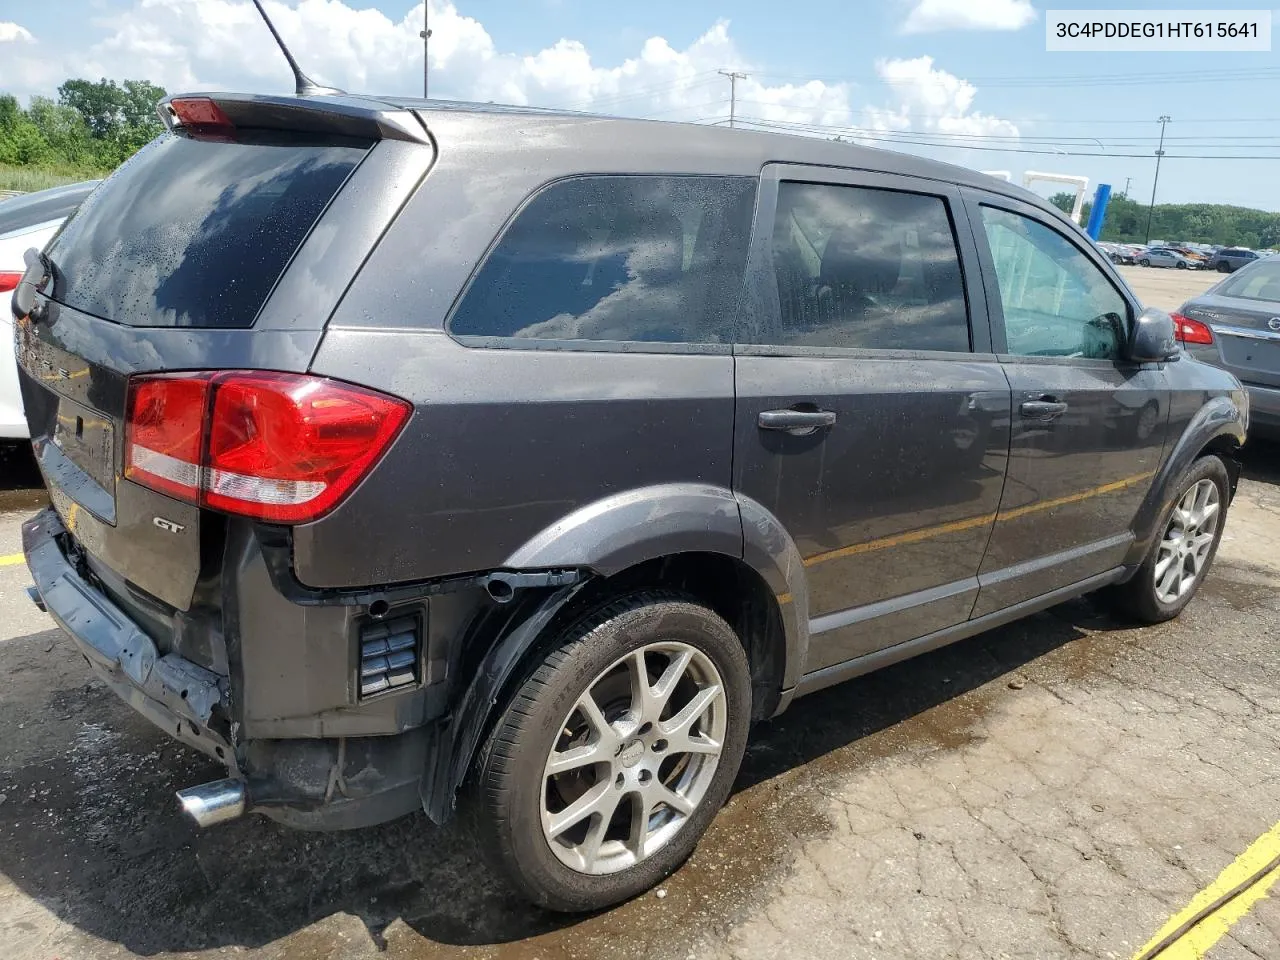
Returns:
<point x="26" y="179"/>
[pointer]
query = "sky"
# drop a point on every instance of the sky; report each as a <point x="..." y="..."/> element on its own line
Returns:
<point x="966" y="81"/>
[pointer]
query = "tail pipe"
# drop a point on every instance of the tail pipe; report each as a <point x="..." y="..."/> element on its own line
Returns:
<point x="214" y="802"/>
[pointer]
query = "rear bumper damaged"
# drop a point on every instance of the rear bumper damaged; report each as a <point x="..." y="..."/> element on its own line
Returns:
<point x="320" y="783"/>
<point x="175" y="694"/>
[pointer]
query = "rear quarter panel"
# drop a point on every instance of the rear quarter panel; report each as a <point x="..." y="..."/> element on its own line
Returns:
<point x="505" y="442"/>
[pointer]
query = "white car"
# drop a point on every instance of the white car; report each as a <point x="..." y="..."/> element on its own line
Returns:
<point x="1160" y="257"/>
<point x="26" y="221"/>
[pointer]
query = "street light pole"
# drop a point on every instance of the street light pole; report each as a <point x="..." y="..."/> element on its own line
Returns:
<point x="1154" y="183"/>
<point x="1127" y="181"/>
<point x="425" y="34"/>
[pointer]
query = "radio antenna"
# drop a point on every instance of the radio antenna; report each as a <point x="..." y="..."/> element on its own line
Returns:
<point x="305" y="86"/>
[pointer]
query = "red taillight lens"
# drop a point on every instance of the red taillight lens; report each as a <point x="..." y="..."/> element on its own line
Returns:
<point x="277" y="446"/>
<point x="286" y="447"/>
<point x="9" y="281"/>
<point x="164" y="433"/>
<point x="1191" y="331"/>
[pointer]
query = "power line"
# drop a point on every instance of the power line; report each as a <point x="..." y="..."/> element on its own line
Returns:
<point x="1164" y="119"/>
<point x="874" y="137"/>
<point x="734" y="77"/>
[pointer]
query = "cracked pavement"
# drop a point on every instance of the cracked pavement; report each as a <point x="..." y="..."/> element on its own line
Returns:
<point x="1055" y="788"/>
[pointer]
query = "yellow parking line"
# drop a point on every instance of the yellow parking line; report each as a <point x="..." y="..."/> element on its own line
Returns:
<point x="12" y="559"/>
<point x="1195" y="943"/>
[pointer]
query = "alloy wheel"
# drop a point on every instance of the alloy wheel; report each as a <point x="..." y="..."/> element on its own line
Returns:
<point x="634" y="758"/>
<point x="1187" y="542"/>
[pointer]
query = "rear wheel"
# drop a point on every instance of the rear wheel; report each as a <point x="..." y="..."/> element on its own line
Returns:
<point x="613" y="757"/>
<point x="1179" y="560"/>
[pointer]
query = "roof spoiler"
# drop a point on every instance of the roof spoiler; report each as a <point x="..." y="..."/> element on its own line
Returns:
<point x="340" y="115"/>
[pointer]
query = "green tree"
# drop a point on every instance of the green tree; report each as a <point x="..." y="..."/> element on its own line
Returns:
<point x="114" y="113"/>
<point x="1063" y="200"/>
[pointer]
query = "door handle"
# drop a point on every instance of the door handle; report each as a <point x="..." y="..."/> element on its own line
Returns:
<point x="1044" y="408"/>
<point x="800" y="423"/>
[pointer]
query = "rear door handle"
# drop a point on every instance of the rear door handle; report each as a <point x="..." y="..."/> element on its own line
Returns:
<point x="798" y="422"/>
<point x="1045" y="408"/>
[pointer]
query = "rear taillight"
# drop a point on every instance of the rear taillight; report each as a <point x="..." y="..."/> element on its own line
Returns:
<point x="9" y="280"/>
<point x="1191" y="331"/>
<point x="283" y="447"/>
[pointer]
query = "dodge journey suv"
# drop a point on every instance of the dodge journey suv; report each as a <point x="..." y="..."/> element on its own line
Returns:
<point x="414" y="455"/>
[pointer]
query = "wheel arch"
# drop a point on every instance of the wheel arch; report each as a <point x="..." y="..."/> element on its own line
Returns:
<point x="1217" y="428"/>
<point x="723" y="550"/>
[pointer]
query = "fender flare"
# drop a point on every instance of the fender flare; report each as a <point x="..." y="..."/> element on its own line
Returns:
<point x="607" y="537"/>
<point x="647" y="523"/>
<point x="1219" y="417"/>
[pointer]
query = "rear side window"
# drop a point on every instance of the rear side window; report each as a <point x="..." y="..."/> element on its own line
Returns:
<point x="617" y="258"/>
<point x="195" y="233"/>
<point x="1260" y="281"/>
<point x="866" y="268"/>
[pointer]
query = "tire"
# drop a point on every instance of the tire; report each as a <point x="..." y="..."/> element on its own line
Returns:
<point x="1224" y="267"/>
<point x="1144" y="263"/>
<point x="518" y="805"/>
<point x="1141" y="598"/>
<point x="1180" y="265"/>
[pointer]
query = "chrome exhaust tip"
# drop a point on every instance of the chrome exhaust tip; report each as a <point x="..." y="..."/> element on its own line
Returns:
<point x="34" y="595"/>
<point x="214" y="802"/>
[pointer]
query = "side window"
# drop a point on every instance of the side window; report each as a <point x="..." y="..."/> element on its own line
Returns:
<point x="867" y="268"/>
<point x="655" y="259"/>
<point x="1057" y="303"/>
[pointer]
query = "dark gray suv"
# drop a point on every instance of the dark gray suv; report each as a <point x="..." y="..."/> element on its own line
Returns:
<point x="403" y="453"/>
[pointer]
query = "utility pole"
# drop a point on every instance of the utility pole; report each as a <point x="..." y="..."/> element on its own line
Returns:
<point x="1127" y="181"/>
<point x="1154" y="183"/>
<point x="733" y="91"/>
<point x="425" y="34"/>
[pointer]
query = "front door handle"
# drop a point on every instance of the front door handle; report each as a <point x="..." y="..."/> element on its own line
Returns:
<point x="1045" y="408"/>
<point x="799" y="423"/>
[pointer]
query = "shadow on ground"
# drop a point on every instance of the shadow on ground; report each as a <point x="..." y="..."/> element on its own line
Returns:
<point x="1261" y="461"/>
<point x="89" y="828"/>
<point x="20" y="485"/>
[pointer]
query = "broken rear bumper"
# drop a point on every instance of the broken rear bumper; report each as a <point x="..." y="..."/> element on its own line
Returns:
<point x="182" y="698"/>
<point x="320" y="783"/>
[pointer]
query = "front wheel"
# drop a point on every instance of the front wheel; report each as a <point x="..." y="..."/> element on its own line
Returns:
<point x="1180" y="265"/>
<point x="1224" y="267"/>
<point x="612" y="758"/>
<point x="1144" y="263"/>
<point x="1179" y="560"/>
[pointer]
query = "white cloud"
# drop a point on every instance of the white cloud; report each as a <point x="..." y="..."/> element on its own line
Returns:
<point x="190" y="45"/>
<point x="930" y="15"/>
<point x="12" y="32"/>
<point x="927" y="99"/>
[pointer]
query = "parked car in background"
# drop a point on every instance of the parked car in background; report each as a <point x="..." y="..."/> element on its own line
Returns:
<point x="1124" y="253"/>
<point x="1166" y="257"/>
<point x="387" y="492"/>
<point x="1230" y="259"/>
<point x="28" y="220"/>
<point x="1236" y="325"/>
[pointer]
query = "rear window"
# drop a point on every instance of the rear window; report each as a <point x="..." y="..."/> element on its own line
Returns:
<point x="617" y="258"/>
<point x="1257" y="281"/>
<point x="195" y="233"/>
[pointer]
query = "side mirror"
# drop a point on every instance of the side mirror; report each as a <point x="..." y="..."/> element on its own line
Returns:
<point x="1153" y="338"/>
